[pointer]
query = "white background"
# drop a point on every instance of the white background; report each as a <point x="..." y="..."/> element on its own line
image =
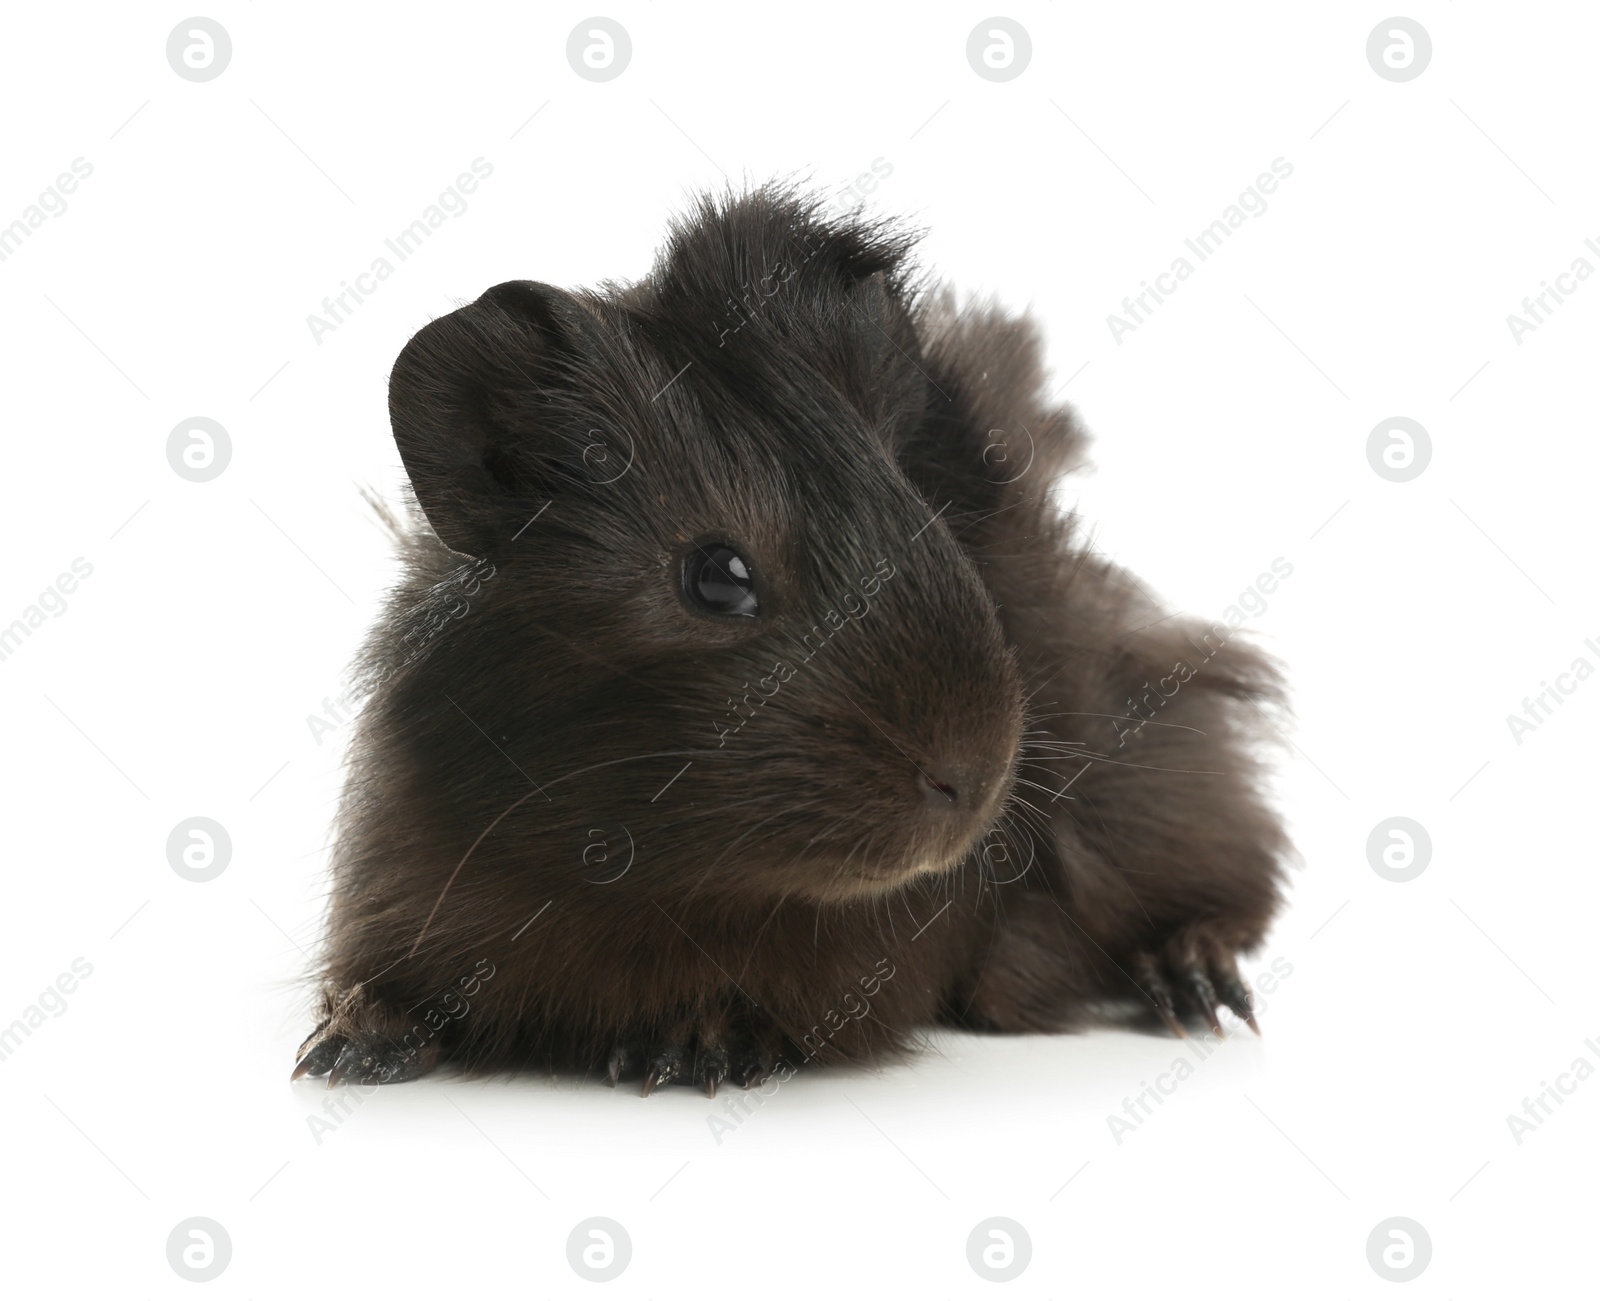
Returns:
<point x="219" y="615"/>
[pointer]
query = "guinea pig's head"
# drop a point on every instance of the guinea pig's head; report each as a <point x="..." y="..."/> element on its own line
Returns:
<point x="722" y="621"/>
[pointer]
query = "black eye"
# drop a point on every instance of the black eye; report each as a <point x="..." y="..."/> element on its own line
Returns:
<point x="717" y="579"/>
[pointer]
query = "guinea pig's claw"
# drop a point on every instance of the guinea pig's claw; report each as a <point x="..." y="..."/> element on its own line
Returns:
<point x="317" y="1053"/>
<point x="711" y="1068"/>
<point x="621" y="1055"/>
<point x="1204" y="997"/>
<point x="706" y="1056"/>
<point x="317" y="1061"/>
<point x="752" y="1071"/>
<point x="666" y="1064"/>
<point x="364" y="1059"/>
<point x="1147" y="973"/>
<point x="1190" y="976"/>
<point x="1235" y="994"/>
<point x="364" y="1039"/>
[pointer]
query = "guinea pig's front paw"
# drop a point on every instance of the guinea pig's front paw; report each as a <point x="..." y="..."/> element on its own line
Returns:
<point x="360" y="1039"/>
<point x="1189" y="975"/>
<point x="362" y="1058"/>
<point x="703" y="1053"/>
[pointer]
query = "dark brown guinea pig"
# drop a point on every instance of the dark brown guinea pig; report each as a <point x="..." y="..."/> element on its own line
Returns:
<point x="746" y="700"/>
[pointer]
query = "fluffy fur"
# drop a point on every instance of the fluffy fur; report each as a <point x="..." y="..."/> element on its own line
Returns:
<point x="592" y="826"/>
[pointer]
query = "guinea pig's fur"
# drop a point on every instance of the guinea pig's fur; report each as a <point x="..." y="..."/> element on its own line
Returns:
<point x="937" y="778"/>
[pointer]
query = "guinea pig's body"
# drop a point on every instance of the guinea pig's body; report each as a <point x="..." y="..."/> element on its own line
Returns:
<point x="747" y="700"/>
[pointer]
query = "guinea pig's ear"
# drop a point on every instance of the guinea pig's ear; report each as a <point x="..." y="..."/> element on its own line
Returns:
<point x="882" y="355"/>
<point x="465" y="397"/>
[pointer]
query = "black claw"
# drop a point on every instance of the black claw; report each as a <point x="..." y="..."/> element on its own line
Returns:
<point x="313" y="1040"/>
<point x="1154" y="985"/>
<point x="620" y="1056"/>
<point x="1169" y="1018"/>
<point x="358" y="1061"/>
<point x="1235" y="996"/>
<point x="711" y="1068"/>
<point x="318" y="1058"/>
<point x="1205" y="997"/>
<point x="371" y="1059"/>
<point x="341" y="1068"/>
<point x="665" y="1066"/>
<point x="751" y="1068"/>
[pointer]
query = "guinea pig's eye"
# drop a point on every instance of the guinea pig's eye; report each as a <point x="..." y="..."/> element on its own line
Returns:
<point x="717" y="579"/>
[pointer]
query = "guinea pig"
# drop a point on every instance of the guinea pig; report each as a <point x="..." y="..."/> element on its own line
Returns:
<point x="747" y="699"/>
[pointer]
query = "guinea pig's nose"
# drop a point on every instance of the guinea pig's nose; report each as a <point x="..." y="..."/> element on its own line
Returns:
<point x="940" y="786"/>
